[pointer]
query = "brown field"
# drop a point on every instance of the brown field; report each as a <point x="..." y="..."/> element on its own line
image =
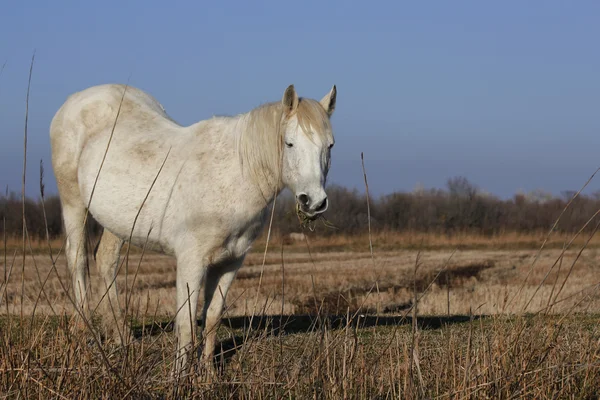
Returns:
<point x="332" y="275"/>
<point x="383" y="241"/>
<point x="494" y="319"/>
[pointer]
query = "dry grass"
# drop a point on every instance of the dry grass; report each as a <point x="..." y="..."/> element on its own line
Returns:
<point x="386" y="241"/>
<point x="429" y="241"/>
<point x="497" y="357"/>
<point x="499" y="352"/>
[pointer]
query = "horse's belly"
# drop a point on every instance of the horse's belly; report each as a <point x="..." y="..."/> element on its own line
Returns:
<point x="120" y="219"/>
<point x="122" y="202"/>
<point x="140" y="232"/>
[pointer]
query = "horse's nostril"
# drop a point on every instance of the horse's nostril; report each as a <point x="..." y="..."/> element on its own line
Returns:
<point x="304" y="199"/>
<point x="323" y="206"/>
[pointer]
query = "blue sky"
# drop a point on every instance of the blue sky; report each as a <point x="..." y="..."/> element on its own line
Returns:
<point x="504" y="93"/>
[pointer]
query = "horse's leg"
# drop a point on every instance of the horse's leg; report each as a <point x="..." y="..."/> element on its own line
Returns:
<point x="190" y="272"/>
<point x="74" y="219"/>
<point x="218" y="281"/>
<point x="107" y="262"/>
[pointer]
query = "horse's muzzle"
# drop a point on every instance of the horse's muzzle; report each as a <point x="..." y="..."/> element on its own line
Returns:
<point x="312" y="208"/>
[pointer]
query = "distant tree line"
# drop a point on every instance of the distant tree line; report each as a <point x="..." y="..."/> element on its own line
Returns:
<point x="460" y="207"/>
<point x="11" y="220"/>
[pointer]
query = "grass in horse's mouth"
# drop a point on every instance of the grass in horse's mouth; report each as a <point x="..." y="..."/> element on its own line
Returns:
<point x="303" y="217"/>
<point x="308" y="221"/>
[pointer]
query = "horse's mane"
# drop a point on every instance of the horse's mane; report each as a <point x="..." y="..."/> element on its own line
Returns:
<point x="260" y="138"/>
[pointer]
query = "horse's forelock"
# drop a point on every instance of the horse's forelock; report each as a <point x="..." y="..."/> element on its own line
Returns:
<point x="313" y="119"/>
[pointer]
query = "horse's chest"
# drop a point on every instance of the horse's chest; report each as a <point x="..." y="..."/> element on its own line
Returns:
<point x="236" y="245"/>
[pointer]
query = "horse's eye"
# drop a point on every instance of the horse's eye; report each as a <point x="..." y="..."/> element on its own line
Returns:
<point x="289" y="144"/>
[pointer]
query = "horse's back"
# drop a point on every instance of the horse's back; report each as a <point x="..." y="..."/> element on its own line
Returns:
<point x="95" y="108"/>
<point x="93" y="111"/>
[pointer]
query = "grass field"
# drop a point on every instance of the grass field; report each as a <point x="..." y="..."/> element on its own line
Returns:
<point x="463" y="317"/>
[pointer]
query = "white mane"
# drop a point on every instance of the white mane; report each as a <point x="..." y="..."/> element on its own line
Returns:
<point x="261" y="132"/>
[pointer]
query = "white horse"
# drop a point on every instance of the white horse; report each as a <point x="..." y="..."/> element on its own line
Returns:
<point x="200" y="193"/>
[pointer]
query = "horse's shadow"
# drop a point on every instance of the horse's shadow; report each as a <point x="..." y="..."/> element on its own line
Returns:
<point x="276" y="325"/>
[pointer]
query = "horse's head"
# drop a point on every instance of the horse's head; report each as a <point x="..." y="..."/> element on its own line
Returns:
<point x="307" y="142"/>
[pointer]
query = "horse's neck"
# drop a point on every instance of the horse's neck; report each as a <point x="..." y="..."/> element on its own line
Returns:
<point x="256" y="136"/>
<point x="223" y="134"/>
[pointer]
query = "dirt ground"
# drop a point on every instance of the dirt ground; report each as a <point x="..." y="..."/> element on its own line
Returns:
<point x="297" y="281"/>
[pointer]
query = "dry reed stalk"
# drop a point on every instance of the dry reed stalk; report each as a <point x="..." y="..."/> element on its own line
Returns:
<point x="5" y="209"/>
<point x="24" y="225"/>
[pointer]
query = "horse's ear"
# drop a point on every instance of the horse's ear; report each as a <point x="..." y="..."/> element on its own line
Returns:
<point x="328" y="102"/>
<point x="290" y="100"/>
